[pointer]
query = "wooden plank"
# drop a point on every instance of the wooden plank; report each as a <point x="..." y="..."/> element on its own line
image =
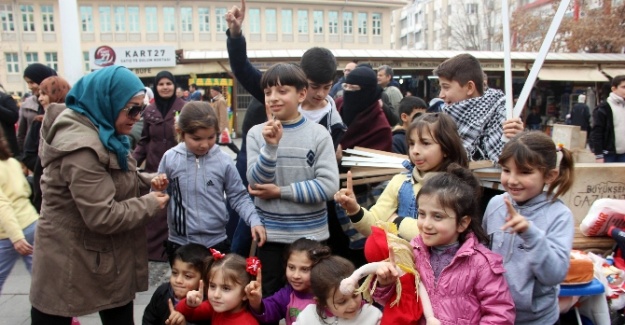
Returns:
<point x="581" y="242"/>
<point x="372" y="172"/>
<point x="380" y="152"/>
<point x="368" y="180"/>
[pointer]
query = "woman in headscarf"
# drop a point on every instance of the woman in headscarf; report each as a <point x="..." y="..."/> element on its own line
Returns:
<point x="157" y="137"/>
<point x="90" y="253"/>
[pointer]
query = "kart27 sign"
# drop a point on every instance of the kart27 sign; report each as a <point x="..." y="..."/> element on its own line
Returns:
<point x="132" y="57"/>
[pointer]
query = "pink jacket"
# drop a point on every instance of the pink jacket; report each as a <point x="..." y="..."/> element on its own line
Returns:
<point x="471" y="289"/>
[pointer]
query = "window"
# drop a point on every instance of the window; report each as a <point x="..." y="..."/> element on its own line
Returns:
<point x="302" y="21"/>
<point x="473" y="30"/>
<point x="318" y="22"/>
<point x="254" y="20"/>
<point x="170" y="19"/>
<point x="376" y="23"/>
<point x="86" y="18"/>
<point x="85" y="57"/>
<point x="6" y="16"/>
<point x="362" y="23"/>
<point x="105" y="19"/>
<point x="204" y="19"/>
<point x="287" y="21"/>
<point x="47" y="14"/>
<point x="186" y="19"/>
<point x="471" y="8"/>
<point x="120" y="19"/>
<point x="333" y="22"/>
<point x="133" y="20"/>
<point x="220" y="14"/>
<point x="28" y="18"/>
<point x="270" y="21"/>
<point x="348" y="23"/>
<point x="52" y="61"/>
<point x="31" y="57"/>
<point x="13" y="65"/>
<point x="151" y="19"/>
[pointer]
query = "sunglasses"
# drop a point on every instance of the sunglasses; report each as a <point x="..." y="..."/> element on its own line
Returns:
<point x="134" y="110"/>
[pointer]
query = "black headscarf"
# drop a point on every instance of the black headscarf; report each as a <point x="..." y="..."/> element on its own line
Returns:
<point x="164" y="104"/>
<point x="356" y="102"/>
<point x="37" y="72"/>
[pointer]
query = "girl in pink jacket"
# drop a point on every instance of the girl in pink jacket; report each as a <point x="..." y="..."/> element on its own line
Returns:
<point x="464" y="279"/>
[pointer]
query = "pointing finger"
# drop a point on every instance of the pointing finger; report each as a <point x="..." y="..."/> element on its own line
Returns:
<point x="350" y="186"/>
<point x="171" y="306"/>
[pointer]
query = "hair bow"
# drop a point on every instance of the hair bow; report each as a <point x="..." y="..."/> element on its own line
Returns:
<point x="217" y="255"/>
<point x="253" y="265"/>
<point x="560" y="146"/>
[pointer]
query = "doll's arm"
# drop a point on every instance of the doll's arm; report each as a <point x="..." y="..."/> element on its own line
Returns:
<point x="428" y="312"/>
<point x="348" y="285"/>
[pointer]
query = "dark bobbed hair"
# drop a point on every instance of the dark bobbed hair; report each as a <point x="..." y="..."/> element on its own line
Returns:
<point x="313" y="249"/>
<point x="444" y="131"/>
<point x="284" y="74"/>
<point x="536" y="150"/>
<point x="319" y="65"/>
<point x="193" y="254"/>
<point x="459" y="190"/>
<point x="325" y="279"/>
<point x="462" y="68"/>
<point x="196" y="115"/>
<point x="409" y="103"/>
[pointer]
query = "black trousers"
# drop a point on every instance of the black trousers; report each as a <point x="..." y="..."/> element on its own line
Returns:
<point x="115" y="316"/>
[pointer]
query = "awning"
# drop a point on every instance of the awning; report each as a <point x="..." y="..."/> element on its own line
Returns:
<point x="613" y="72"/>
<point x="571" y="74"/>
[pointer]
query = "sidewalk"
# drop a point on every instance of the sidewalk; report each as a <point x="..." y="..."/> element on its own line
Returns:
<point x="15" y="305"/>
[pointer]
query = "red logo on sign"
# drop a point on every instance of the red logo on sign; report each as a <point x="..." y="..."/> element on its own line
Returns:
<point x="104" y="56"/>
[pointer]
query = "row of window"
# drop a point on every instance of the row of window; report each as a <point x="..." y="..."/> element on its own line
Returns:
<point x="51" y="60"/>
<point x="121" y="19"/>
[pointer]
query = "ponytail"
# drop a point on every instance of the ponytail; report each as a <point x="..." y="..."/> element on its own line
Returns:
<point x="564" y="181"/>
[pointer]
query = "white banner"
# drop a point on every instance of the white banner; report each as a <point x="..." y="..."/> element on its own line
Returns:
<point x="132" y="57"/>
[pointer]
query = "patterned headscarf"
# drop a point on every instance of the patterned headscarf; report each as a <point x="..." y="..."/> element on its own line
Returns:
<point x="56" y="88"/>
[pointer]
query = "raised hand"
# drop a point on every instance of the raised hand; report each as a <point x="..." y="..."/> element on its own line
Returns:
<point x="160" y="182"/>
<point x="254" y="292"/>
<point x="272" y="132"/>
<point x="195" y="297"/>
<point x="162" y="199"/>
<point x="259" y="235"/>
<point x="514" y="221"/>
<point x="512" y="127"/>
<point x="388" y="273"/>
<point x="175" y="317"/>
<point x="346" y="198"/>
<point x="234" y="18"/>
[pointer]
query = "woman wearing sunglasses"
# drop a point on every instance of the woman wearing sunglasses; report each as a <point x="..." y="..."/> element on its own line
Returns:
<point x="157" y="137"/>
<point x="91" y="253"/>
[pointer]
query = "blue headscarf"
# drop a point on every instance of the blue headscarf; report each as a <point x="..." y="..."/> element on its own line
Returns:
<point x="101" y="95"/>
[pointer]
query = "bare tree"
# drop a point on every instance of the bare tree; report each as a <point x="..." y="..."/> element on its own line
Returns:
<point x="471" y="25"/>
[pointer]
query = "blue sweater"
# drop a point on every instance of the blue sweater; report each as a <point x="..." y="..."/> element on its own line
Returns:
<point x="304" y="166"/>
<point x="197" y="209"/>
<point x="537" y="260"/>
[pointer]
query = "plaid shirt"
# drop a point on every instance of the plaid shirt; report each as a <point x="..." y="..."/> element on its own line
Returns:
<point x="479" y="123"/>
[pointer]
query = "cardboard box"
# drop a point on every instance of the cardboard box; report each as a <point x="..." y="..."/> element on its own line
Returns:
<point x="594" y="181"/>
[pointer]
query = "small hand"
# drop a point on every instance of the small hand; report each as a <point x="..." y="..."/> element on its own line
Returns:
<point x="346" y="198"/>
<point x="38" y="118"/>
<point x="387" y="273"/>
<point x="254" y="292"/>
<point x="339" y="153"/>
<point x="160" y="182"/>
<point x="259" y="235"/>
<point x="175" y="317"/>
<point x="162" y="199"/>
<point x="23" y="247"/>
<point x="234" y="18"/>
<point x="514" y="221"/>
<point x="512" y="127"/>
<point x="272" y="132"/>
<point x="195" y="297"/>
<point x="264" y="191"/>
<point x="600" y="160"/>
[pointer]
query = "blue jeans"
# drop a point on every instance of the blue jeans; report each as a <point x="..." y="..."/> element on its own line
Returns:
<point x="8" y="254"/>
<point x="614" y="158"/>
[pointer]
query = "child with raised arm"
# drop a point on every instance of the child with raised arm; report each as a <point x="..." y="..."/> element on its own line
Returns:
<point x="289" y="301"/>
<point x="333" y="306"/>
<point x="197" y="174"/>
<point x="292" y="171"/>
<point x="433" y="145"/>
<point x="226" y="303"/>
<point x="531" y="229"/>
<point x="463" y="278"/>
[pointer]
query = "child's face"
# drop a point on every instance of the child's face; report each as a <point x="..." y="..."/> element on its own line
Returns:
<point x="283" y="101"/>
<point x="344" y="306"/>
<point x="184" y="277"/>
<point x="452" y="92"/>
<point x="224" y="295"/>
<point x="44" y="99"/>
<point x="425" y="153"/>
<point x="437" y="224"/>
<point x="317" y="93"/>
<point x="619" y="90"/>
<point x="298" y="271"/>
<point x="524" y="184"/>
<point x="201" y="141"/>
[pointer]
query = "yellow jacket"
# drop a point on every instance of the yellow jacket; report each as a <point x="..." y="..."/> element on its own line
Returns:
<point x="16" y="211"/>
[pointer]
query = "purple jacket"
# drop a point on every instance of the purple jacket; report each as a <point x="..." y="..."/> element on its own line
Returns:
<point x="471" y="289"/>
<point x="285" y="303"/>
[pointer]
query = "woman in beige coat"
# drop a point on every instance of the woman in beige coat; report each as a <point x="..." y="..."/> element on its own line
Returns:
<point x="91" y="249"/>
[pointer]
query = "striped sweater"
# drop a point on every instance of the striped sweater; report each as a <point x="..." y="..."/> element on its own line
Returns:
<point x="304" y="166"/>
